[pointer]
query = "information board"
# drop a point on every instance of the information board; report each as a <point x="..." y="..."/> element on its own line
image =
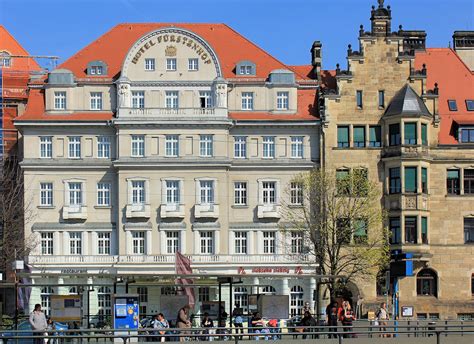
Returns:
<point x="274" y="306"/>
<point x="66" y="307"/>
<point x="171" y="304"/>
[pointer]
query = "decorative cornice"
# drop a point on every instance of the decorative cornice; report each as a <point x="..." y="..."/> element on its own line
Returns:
<point x="41" y="226"/>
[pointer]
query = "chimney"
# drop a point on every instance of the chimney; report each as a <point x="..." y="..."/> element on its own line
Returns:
<point x="463" y="44"/>
<point x="316" y="58"/>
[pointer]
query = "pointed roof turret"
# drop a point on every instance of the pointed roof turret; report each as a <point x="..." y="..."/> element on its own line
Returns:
<point x="407" y="103"/>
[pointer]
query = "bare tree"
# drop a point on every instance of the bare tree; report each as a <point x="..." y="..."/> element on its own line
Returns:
<point x="341" y="222"/>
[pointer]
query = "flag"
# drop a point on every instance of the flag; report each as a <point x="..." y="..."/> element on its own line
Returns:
<point x="24" y="291"/>
<point x="183" y="267"/>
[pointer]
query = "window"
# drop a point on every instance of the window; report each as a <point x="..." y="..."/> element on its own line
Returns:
<point x="206" y="191"/>
<point x="172" y="242"/>
<point x="74" y="147"/>
<point x="424" y="230"/>
<point x="138" y="192"/>
<point x="104" y="301"/>
<point x="142" y="294"/>
<point x="97" y="70"/>
<point x="103" y="243"/>
<point x="359" y="99"/>
<point x="207" y="242"/>
<point x="172" y="145"/>
<point x="138" y="242"/>
<point x="103" y="147"/>
<point x="427" y="283"/>
<point x="410" y="180"/>
<point x="172" y="192"/>
<point x="240" y="147"/>
<point x="453" y="182"/>
<point x="47" y="243"/>
<point x="452" y="105"/>
<point x="424" y="180"/>
<point x="342" y="136"/>
<point x="247" y="100"/>
<point x="203" y="294"/>
<point x="359" y="136"/>
<point x="360" y="182"/>
<point x="469" y="230"/>
<point x="60" y="100"/>
<point x="138" y="99"/>
<point x="240" y="242"/>
<point x="410" y="133"/>
<point x="149" y="64"/>
<point x="241" y="298"/>
<point x="395" y="232"/>
<point x="411" y="231"/>
<point x="103" y="194"/>
<point x="282" y="100"/>
<point x="75" y="194"/>
<point x="424" y="134"/>
<point x="296" y="300"/>
<point x="343" y="183"/>
<point x="469" y="181"/>
<point x="45" y="295"/>
<point x="193" y="64"/>
<point x="470" y="105"/>
<point x="138" y="146"/>
<point x="297" y="146"/>
<point x="467" y="134"/>
<point x="206" y="144"/>
<point x="171" y="99"/>
<point x="381" y="99"/>
<point x="269" y="192"/>
<point x="75" y="243"/>
<point x="269" y="242"/>
<point x="375" y="136"/>
<point x="96" y="100"/>
<point x="394" y="134"/>
<point x="240" y="193"/>
<point x="46" y="146"/>
<point x="205" y="99"/>
<point x="296" y="193"/>
<point x="296" y="245"/>
<point x="360" y="231"/>
<point x="46" y="194"/>
<point x="395" y="181"/>
<point x="171" y="64"/>
<point x="269" y="147"/>
<point x="5" y="59"/>
<point x="245" y="70"/>
<point x="268" y="290"/>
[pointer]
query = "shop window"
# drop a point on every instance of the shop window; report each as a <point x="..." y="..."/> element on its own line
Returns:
<point x="427" y="283"/>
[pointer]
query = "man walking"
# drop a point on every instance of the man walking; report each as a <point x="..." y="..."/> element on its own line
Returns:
<point x="38" y="323"/>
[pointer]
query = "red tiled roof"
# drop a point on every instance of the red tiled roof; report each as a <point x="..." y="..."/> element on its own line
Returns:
<point x="455" y="82"/>
<point x="9" y="44"/>
<point x="305" y="71"/>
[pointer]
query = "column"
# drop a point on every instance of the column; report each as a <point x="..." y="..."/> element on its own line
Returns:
<point x="61" y="289"/>
<point x="196" y="237"/>
<point x="94" y="247"/>
<point x="182" y="238"/>
<point x="128" y="242"/>
<point x="56" y="243"/>
<point x="66" y="243"/>
<point x="255" y="282"/>
<point x="148" y="245"/>
<point x="285" y="290"/>
<point x="217" y="241"/>
<point x="85" y="243"/>
<point x="312" y="289"/>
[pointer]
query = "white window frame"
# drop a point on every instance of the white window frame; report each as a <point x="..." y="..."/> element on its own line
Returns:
<point x="283" y="100"/>
<point x="5" y="59"/>
<point x="241" y="243"/>
<point x="269" y="242"/>
<point x="296" y="193"/>
<point x="207" y="191"/>
<point x="75" y="243"/>
<point x="173" y="241"/>
<point x="171" y="64"/>
<point x="172" y="99"/>
<point x="46" y="194"/>
<point x="103" y="194"/>
<point x="46" y="147"/>
<point x="103" y="147"/>
<point x="268" y="146"/>
<point x="172" y="191"/>
<point x="138" y="146"/>
<point x="245" y="70"/>
<point x="74" y="147"/>
<point x="193" y="64"/>
<point x="297" y="149"/>
<point x="104" y="243"/>
<point x="240" y="147"/>
<point x="247" y="101"/>
<point x="75" y="193"/>
<point x="207" y="96"/>
<point x="97" y="70"/>
<point x="138" y="99"/>
<point x="47" y="243"/>
<point x="149" y="64"/>
<point x="60" y="100"/>
<point x="172" y="146"/>
<point x="296" y="242"/>
<point x="138" y="194"/>
<point x="240" y="193"/>
<point x="138" y="242"/>
<point x="206" y="145"/>
<point x="96" y="100"/>
<point x="269" y="192"/>
<point x="206" y="242"/>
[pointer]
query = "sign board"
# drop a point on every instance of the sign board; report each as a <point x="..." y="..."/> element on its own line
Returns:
<point x="171" y="304"/>
<point x="126" y="311"/>
<point x="211" y="307"/>
<point x="407" y="311"/>
<point x="274" y="306"/>
<point x="66" y="307"/>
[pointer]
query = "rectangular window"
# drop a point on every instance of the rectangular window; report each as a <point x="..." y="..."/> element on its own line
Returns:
<point x="410" y="180"/>
<point x="172" y="99"/>
<point x="297" y="146"/>
<point x="96" y="101"/>
<point x="359" y="136"/>
<point x="103" y="147"/>
<point x="240" y="242"/>
<point x="193" y="64"/>
<point x="150" y="64"/>
<point x="205" y="99"/>
<point x="282" y="100"/>
<point x="97" y="70"/>
<point x="468" y="181"/>
<point x="206" y="191"/>
<point x="394" y="134"/>
<point x="203" y="294"/>
<point x="360" y="231"/>
<point x="424" y="134"/>
<point x="142" y="294"/>
<point x="269" y="192"/>
<point x="103" y="194"/>
<point x="296" y="193"/>
<point x="47" y="243"/>
<point x="171" y="64"/>
<point x="296" y="245"/>
<point x="75" y="194"/>
<point x="138" y="192"/>
<point x="207" y="242"/>
<point x="453" y="182"/>
<point x="46" y="147"/>
<point x="411" y="232"/>
<point x="469" y="230"/>
<point x="359" y="99"/>
<point x="138" y="99"/>
<point x="74" y="147"/>
<point x="138" y="242"/>
<point x="172" y="192"/>
<point x="269" y="242"/>
<point x="375" y="136"/>
<point x="343" y="183"/>
<point x="410" y="133"/>
<point x="269" y="147"/>
<point x="247" y="100"/>
<point x="206" y="144"/>
<point x="470" y="105"/>
<point x="240" y="147"/>
<point x="395" y="181"/>
<point x="103" y="243"/>
<point x="343" y="136"/>
<point x="452" y="105"/>
<point x="172" y="242"/>
<point x="395" y="233"/>
<point x="381" y="99"/>
<point x="46" y="194"/>
<point x="60" y="100"/>
<point x="138" y="146"/>
<point x="466" y="135"/>
<point x="240" y="193"/>
<point x="424" y="180"/>
<point x="75" y="243"/>
<point x="172" y="145"/>
<point x="424" y="230"/>
<point x="245" y="70"/>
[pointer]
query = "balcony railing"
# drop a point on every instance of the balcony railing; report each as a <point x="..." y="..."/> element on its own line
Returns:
<point x="172" y="112"/>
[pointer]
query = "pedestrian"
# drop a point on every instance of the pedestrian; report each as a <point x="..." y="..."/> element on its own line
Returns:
<point x="382" y="319"/>
<point x="238" y="320"/>
<point x="183" y="322"/>
<point x="160" y="324"/>
<point x="38" y="323"/>
<point x="207" y="324"/>
<point x="222" y="324"/>
<point x="346" y="316"/>
<point x="308" y="323"/>
<point x="331" y="318"/>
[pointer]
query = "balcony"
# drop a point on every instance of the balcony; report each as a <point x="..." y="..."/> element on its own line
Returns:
<point x="172" y="211"/>
<point x="405" y="151"/>
<point x="407" y="202"/>
<point x="75" y="212"/>
<point x="268" y="211"/>
<point x="175" y="113"/>
<point x="137" y="211"/>
<point x="206" y="211"/>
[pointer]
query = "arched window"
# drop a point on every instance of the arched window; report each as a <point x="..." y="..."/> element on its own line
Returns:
<point x="269" y="290"/>
<point x="5" y="59"/>
<point x="242" y="298"/>
<point x="46" y="293"/>
<point x="104" y="304"/>
<point x="73" y="290"/>
<point x="296" y="300"/>
<point x="427" y="283"/>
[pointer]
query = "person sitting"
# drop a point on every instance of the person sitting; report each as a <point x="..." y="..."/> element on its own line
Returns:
<point x="160" y="324"/>
<point x="207" y="324"/>
<point x="308" y="323"/>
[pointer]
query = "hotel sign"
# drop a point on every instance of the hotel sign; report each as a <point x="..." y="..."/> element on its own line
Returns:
<point x="272" y="270"/>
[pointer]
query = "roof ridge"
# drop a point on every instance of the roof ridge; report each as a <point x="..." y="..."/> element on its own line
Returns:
<point x="455" y="54"/>
<point x="19" y="45"/>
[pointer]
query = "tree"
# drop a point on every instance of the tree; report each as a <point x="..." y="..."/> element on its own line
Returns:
<point x="341" y="221"/>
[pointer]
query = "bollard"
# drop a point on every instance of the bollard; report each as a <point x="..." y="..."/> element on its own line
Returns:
<point x="438" y="339"/>
<point x="340" y="338"/>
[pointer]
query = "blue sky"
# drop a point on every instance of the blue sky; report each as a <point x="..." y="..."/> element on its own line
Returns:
<point x="284" y="28"/>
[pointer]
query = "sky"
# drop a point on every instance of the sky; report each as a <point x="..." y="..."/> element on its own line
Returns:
<point x="284" y="28"/>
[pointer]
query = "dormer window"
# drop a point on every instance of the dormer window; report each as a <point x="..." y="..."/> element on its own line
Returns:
<point x="452" y="105"/>
<point x="96" y="68"/>
<point x="245" y="68"/>
<point x="5" y="59"/>
<point x="466" y="134"/>
<point x="470" y="104"/>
